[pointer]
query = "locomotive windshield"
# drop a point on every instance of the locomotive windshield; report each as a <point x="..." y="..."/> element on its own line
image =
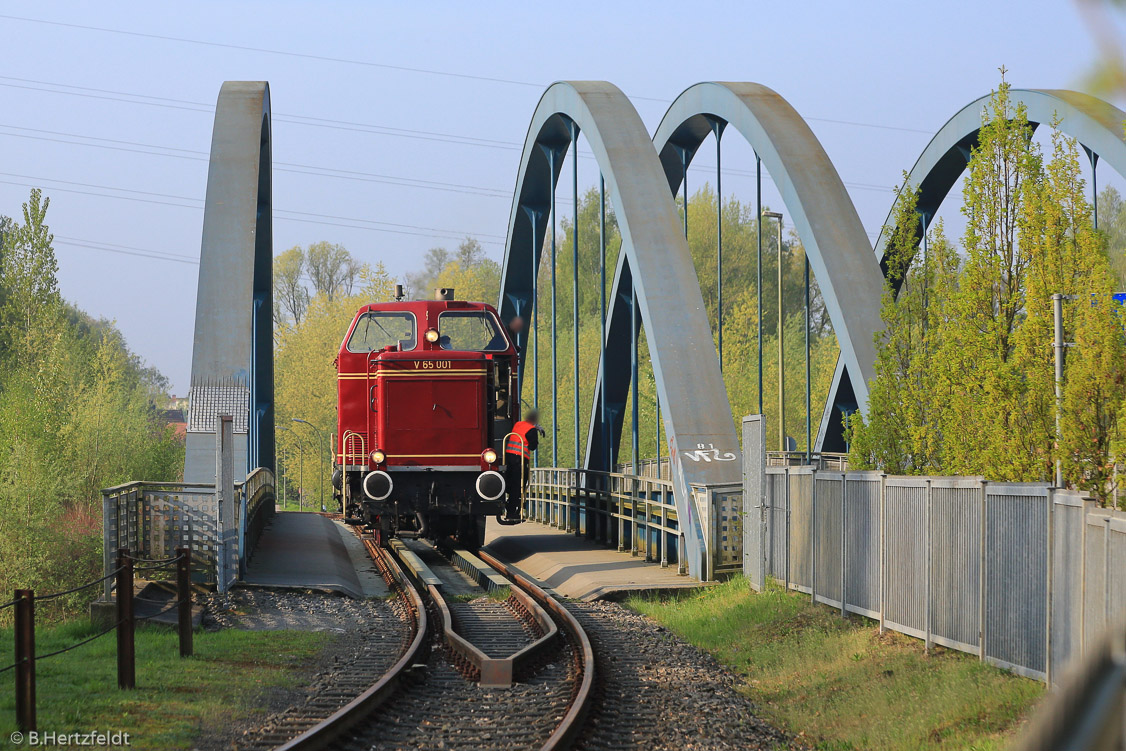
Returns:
<point x="472" y="331"/>
<point x="378" y="329"/>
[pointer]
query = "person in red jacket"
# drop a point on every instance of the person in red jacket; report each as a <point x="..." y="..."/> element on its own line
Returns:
<point x="518" y="448"/>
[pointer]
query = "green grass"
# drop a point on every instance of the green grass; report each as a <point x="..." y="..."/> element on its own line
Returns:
<point x="175" y="698"/>
<point x="840" y="684"/>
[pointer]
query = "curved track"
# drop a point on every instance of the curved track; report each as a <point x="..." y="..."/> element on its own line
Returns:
<point x="510" y="671"/>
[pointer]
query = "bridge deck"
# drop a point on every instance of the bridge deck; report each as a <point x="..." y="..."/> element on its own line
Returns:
<point x="576" y="567"/>
<point x="310" y="551"/>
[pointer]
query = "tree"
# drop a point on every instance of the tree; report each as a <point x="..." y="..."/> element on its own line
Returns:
<point x="305" y="376"/>
<point x="291" y="299"/>
<point x="965" y="376"/>
<point x="332" y="269"/>
<point x="30" y="277"/>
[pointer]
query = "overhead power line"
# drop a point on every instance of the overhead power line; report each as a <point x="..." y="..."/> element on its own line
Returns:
<point x="186" y="202"/>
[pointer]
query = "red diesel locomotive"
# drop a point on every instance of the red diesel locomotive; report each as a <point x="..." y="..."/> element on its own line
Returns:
<point x="427" y="394"/>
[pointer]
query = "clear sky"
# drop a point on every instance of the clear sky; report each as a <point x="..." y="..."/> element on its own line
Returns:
<point x="409" y="136"/>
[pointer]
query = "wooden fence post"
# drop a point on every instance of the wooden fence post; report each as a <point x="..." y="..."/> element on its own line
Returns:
<point x="25" y="659"/>
<point x="184" y="595"/>
<point x="126" y="669"/>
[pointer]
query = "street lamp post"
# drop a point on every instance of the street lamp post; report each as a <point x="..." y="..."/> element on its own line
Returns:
<point x="283" y="465"/>
<point x="781" y="354"/>
<point x="320" y="482"/>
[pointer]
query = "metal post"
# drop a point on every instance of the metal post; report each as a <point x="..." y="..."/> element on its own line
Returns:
<point x="883" y="546"/>
<point x="808" y="416"/>
<point x="813" y="535"/>
<point x="633" y="325"/>
<point x="927" y="542"/>
<point x="781" y="336"/>
<point x="844" y="539"/>
<point x="184" y="595"/>
<point x="789" y="547"/>
<point x="717" y="129"/>
<point x="1094" y="185"/>
<point x="25" y="659"/>
<point x="1058" y="346"/>
<point x="758" y="256"/>
<point x="606" y="455"/>
<point x="126" y="668"/>
<point x="575" y="280"/>
<point x="554" y="327"/>
<point x="534" y="217"/>
<point x="1050" y="510"/>
<point x="983" y="579"/>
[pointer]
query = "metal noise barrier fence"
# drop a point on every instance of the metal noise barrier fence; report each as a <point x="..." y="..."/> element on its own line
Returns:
<point x="155" y="518"/>
<point x="1020" y="574"/>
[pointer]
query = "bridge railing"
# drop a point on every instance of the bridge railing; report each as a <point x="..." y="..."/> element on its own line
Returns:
<point x="629" y="512"/>
<point x="153" y="519"/>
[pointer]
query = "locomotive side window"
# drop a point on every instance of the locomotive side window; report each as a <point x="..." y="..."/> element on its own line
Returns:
<point x="470" y="331"/>
<point x="377" y="329"/>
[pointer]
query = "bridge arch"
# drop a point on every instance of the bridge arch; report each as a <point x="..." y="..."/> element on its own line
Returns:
<point x="819" y="206"/>
<point x="1095" y="124"/>
<point x="233" y="351"/>
<point x="662" y="282"/>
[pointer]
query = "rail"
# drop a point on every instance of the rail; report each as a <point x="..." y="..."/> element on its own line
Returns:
<point x="325" y="733"/>
<point x="572" y="722"/>
<point x="496" y="672"/>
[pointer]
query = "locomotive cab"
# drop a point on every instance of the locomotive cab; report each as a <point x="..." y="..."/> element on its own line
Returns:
<point x="426" y="397"/>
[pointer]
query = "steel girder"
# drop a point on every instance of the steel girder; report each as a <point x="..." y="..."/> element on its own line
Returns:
<point x="685" y="364"/>
<point x="1097" y="125"/>
<point x="233" y="355"/>
<point x="820" y="208"/>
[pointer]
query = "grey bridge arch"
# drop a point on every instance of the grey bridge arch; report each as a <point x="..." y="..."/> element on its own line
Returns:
<point x="820" y="208"/>
<point x="233" y="351"/>
<point x="1095" y="124"/>
<point x="662" y="282"/>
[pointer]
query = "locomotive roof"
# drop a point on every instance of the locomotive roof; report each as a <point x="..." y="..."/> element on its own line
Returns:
<point x="428" y="306"/>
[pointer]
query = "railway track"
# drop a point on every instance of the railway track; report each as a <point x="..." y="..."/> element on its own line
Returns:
<point x="493" y="662"/>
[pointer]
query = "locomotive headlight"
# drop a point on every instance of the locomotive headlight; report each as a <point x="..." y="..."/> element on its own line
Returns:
<point x="489" y="456"/>
<point x="378" y="457"/>
<point x="432" y="335"/>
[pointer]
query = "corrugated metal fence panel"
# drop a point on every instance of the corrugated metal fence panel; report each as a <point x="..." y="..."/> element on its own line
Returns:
<point x="1095" y="579"/>
<point x="829" y="523"/>
<point x="862" y="543"/>
<point x="1116" y="551"/>
<point x="1016" y="572"/>
<point x="801" y="527"/>
<point x="905" y="555"/>
<point x="1067" y="584"/>
<point x="777" y="540"/>
<point x="754" y="466"/>
<point x="955" y="562"/>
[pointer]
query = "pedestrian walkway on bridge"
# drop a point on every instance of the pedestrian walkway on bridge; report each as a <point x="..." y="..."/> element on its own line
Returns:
<point x="309" y="551"/>
<point x="578" y="568"/>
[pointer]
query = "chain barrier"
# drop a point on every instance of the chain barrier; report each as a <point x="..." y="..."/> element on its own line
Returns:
<point x="79" y="644"/>
<point x="56" y="595"/>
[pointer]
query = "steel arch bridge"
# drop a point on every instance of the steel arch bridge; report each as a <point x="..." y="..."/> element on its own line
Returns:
<point x="654" y="282"/>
